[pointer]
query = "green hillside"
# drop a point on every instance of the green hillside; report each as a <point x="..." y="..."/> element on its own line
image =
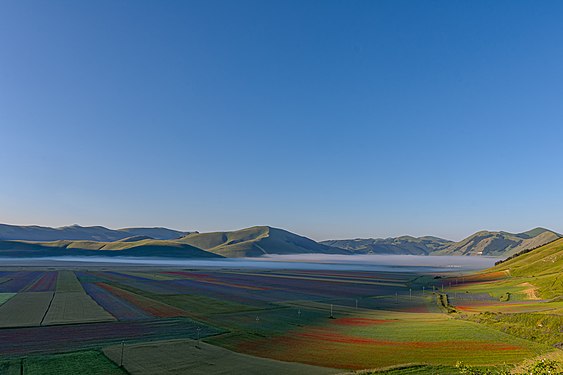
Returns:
<point x="542" y="267"/>
<point x="142" y="248"/>
<point x="257" y="241"/>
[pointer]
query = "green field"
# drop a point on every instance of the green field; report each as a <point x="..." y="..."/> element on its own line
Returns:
<point x="84" y="363"/>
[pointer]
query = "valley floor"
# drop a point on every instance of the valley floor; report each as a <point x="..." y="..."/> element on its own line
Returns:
<point x="90" y="320"/>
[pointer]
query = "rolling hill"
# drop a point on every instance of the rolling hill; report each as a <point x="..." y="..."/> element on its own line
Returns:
<point x="481" y="243"/>
<point x="257" y="241"/>
<point x="79" y="233"/>
<point x="500" y="243"/>
<point x="139" y="248"/>
<point x="542" y="267"/>
<point x="399" y="245"/>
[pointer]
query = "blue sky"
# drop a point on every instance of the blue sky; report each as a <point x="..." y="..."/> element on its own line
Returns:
<point x="332" y="119"/>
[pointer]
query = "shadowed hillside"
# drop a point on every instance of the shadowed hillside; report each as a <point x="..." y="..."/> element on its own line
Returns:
<point x="500" y="243"/>
<point x="79" y="233"/>
<point x="257" y="241"/>
<point x="141" y="248"/>
<point x="480" y="243"/>
<point x="399" y="245"/>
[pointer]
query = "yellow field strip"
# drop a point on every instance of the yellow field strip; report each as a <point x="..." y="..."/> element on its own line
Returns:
<point x="75" y="307"/>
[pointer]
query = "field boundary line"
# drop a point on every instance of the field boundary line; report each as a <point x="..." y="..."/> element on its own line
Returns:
<point x="48" y="308"/>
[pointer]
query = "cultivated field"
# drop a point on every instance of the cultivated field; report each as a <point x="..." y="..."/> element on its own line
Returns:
<point x="266" y="321"/>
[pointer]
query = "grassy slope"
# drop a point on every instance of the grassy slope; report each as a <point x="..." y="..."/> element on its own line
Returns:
<point x="399" y="245"/>
<point x="541" y="267"/>
<point x="257" y="241"/>
<point x="500" y="243"/>
<point x="119" y="248"/>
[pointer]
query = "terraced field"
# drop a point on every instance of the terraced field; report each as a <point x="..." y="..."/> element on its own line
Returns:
<point x="320" y="321"/>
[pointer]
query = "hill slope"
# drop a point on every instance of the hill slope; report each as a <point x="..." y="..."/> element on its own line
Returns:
<point x="399" y="245"/>
<point x="480" y="243"/>
<point x="140" y="248"/>
<point x="542" y="267"/>
<point x="499" y="243"/>
<point x="79" y="233"/>
<point x="257" y="241"/>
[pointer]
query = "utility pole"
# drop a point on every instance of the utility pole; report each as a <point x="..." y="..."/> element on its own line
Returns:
<point x="121" y="358"/>
<point x="396" y="297"/>
<point x="422" y="290"/>
<point x="198" y="329"/>
<point x="410" y="293"/>
<point x="331" y="316"/>
<point x="356" y="304"/>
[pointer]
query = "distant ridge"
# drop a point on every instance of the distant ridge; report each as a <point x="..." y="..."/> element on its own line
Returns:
<point x="481" y="243"/>
<point x="139" y="248"/>
<point x="398" y="245"/>
<point x="257" y="241"/>
<point x="250" y="242"/>
<point x="79" y="233"/>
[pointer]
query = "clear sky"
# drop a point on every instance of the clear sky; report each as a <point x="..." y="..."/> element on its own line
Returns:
<point x="332" y="119"/>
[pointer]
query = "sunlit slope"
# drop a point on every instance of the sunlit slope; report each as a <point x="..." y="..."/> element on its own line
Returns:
<point x="499" y="243"/>
<point x="481" y="243"/>
<point x="542" y="267"/>
<point x="257" y="241"/>
<point x="142" y="248"/>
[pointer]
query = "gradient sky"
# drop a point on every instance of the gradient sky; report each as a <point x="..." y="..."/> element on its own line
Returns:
<point x="331" y="119"/>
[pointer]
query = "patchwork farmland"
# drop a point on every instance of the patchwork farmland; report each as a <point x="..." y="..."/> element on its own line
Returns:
<point x="254" y="321"/>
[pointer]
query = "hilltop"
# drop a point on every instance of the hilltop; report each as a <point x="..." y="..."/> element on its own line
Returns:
<point x="249" y="242"/>
<point x="80" y="233"/>
<point x="481" y="243"/>
<point x="257" y="241"/>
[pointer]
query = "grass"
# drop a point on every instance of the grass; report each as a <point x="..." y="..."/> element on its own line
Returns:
<point x="189" y="357"/>
<point x="5" y="297"/>
<point x="392" y="339"/>
<point x="68" y="282"/>
<point x="541" y="267"/>
<point x="71" y="304"/>
<point x="284" y="315"/>
<point x="415" y="369"/>
<point x="83" y="363"/>
<point x="542" y="328"/>
<point x="25" y="309"/>
<point x="75" y="307"/>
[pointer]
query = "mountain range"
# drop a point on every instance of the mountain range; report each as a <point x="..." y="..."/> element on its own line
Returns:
<point x="248" y="242"/>
<point x="257" y="241"/>
<point x="481" y="243"/>
<point x="79" y="233"/>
